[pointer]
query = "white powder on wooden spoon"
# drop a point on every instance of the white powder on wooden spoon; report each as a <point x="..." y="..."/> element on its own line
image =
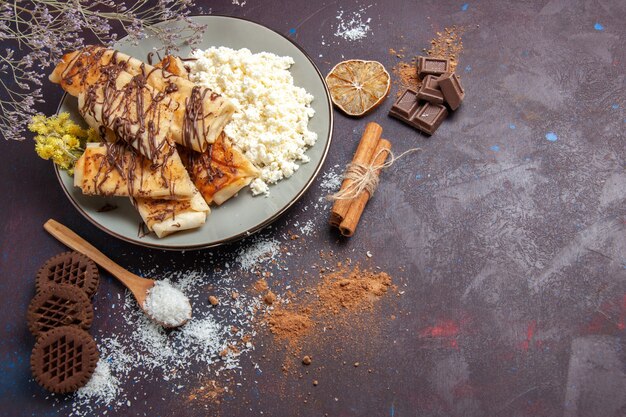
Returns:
<point x="167" y="305"/>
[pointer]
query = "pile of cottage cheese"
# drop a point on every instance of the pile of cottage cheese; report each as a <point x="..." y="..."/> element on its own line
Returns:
<point x="270" y="124"/>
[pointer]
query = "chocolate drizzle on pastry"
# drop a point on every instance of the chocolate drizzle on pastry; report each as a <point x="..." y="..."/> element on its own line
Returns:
<point x="131" y="97"/>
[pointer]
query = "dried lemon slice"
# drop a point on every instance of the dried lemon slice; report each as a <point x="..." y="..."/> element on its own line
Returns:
<point x="358" y="86"/>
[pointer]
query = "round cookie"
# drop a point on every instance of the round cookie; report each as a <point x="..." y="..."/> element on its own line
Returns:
<point x="59" y="305"/>
<point x="69" y="268"/>
<point x="64" y="359"/>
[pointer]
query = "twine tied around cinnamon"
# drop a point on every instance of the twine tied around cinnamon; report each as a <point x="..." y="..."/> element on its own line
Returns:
<point x="365" y="177"/>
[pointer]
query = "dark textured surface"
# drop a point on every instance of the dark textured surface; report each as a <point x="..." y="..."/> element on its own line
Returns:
<point x="510" y="245"/>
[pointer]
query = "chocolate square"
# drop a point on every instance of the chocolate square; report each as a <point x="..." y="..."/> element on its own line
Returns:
<point x="429" y="116"/>
<point x="432" y="66"/>
<point x="429" y="90"/>
<point x="452" y="90"/>
<point x="405" y="106"/>
<point x="424" y="116"/>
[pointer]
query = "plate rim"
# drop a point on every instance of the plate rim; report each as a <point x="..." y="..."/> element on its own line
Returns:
<point x="252" y="230"/>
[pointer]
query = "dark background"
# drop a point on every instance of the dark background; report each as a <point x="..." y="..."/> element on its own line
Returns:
<point x="511" y="248"/>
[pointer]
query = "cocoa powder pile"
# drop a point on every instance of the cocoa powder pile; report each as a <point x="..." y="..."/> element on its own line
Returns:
<point x="351" y="290"/>
<point x="290" y="325"/>
<point x="336" y="301"/>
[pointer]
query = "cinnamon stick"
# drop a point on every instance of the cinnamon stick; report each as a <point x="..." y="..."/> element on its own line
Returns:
<point x="351" y="220"/>
<point x="362" y="156"/>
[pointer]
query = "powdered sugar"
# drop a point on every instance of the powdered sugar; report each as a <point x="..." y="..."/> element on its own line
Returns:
<point x="307" y="228"/>
<point x="259" y="251"/>
<point x="140" y="350"/>
<point x="167" y="305"/>
<point x="354" y="26"/>
<point x="331" y="180"/>
<point x="138" y="353"/>
<point x="102" y="386"/>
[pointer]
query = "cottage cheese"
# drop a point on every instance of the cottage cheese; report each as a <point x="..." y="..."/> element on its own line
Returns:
<point x="270" y="124"/>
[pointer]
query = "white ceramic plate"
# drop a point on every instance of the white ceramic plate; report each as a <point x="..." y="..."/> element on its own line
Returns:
<point x="244" y="214"/>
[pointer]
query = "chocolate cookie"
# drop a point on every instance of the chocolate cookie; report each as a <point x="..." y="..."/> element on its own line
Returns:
<point x="69" y="268"/>
<point x="59" y="305"/>
<point x="64" y="359"/>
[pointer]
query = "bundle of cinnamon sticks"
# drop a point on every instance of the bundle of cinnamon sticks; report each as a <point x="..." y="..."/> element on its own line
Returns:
<point x="372" y="152"/>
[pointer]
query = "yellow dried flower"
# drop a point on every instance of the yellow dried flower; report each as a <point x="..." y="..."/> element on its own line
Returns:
<point x="60" y="139"/>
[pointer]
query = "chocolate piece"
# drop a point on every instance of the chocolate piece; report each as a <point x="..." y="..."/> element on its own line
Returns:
<point x="429" y="90"/>
<point x="59" y="305"/>
<point x="452" y="90"/>
<point x="69" y="268"/>
<point x="426" y="117"/>
<point x="64" y="359"/>
<point x="405" y="106"/>
<point x="429" y="116"/>
<point x="433" y="66"/>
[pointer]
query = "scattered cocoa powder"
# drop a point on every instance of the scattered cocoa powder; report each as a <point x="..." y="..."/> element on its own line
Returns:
<point x="269" y="298"/>
<point x="354" y="289"/>
<point x="448" y="44"/>
<point x="397" y="54"/>
<point x="209" y="393"/>
<point x="406" y="73"/>
<point x="344" y="289"/>
<point x="261" y="285"/>
<point x="290" y="325"/>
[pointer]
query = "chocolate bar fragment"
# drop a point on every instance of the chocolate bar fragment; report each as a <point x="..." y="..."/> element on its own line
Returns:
<point x="452" y="90"/>
<point x="429" y="116"/>
<point x="429" y="90"/>
<point x="426" y="117"/>
<point x="432" y="66"/>
<point x="406" y="106"/>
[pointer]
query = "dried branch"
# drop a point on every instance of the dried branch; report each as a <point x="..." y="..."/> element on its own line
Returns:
<point x="38" y="32"/>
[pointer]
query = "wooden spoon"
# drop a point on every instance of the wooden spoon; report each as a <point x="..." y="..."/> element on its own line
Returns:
<point x="137" y="285"/>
